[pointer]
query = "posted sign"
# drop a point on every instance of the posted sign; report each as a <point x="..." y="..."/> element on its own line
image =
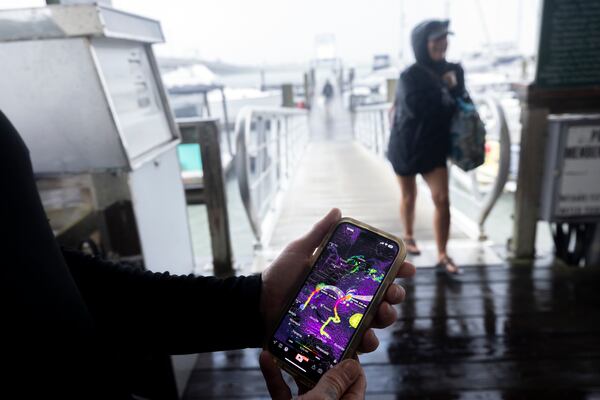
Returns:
<point x="571" y="186"/>
<point x="569" y="45"/>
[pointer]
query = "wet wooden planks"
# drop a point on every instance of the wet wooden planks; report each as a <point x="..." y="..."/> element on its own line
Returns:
<point x="337" y="171"/>
<point x="344" y="174"/>
<point x="499" y="333"/>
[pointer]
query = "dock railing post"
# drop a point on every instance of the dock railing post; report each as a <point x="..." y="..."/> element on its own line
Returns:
<point x="226" y="122"/>
<point x="287" y="95"/>
<point x="306" y="91"/>
<point x="216" y="199"/>
<point x="382" y="139"/>
<point x="391" y="90"/>
<point x="206" y="133"/>
<point x="206" y="105"/>
<point x="286" y="129"/>
<point x="278" y="132"/>
<point x="527" y="196"/>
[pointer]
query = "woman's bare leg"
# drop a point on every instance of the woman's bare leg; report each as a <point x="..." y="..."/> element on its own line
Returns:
<point x="437" y="180"/>
<point x="408" y="189"/>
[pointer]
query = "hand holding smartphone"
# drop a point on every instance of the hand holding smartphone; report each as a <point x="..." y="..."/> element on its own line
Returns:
<point x="325" y="320"/>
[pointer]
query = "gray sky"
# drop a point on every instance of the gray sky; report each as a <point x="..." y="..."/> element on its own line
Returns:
<point x="284" y="31"/>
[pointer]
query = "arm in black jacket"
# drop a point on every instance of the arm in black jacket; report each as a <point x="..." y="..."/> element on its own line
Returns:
<point x="421" y="92"/>
<point x="174" y="314"/>
<point x="418" y="94"/>
<point x="460" y="90"/>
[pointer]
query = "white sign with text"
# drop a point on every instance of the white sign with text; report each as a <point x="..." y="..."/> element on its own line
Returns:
<point x="579" y="192"/>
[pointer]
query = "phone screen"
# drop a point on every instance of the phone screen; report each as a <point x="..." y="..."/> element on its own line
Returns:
<point x="314" y="333"/>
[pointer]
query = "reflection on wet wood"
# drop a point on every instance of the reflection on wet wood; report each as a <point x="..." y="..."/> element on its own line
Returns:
<point x="499" y="333"/>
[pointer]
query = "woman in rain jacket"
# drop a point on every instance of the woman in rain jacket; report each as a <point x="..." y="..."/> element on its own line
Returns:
<point x="420" y="137"/>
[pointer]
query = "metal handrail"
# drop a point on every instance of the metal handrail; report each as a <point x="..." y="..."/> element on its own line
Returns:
<point x="372" y="129"/>
<point x="503" y="166"/>
<point x="270" y="142"/>
<point x="371" y="125"/>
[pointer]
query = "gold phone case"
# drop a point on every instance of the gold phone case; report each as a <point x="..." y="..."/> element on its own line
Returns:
<point x="369" y="314"/>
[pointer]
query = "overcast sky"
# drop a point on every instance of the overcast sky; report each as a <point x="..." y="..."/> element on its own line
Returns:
<point x="284" y="31"/>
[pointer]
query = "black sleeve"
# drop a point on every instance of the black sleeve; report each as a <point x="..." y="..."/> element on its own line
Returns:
<point x="460" y="91"/>
<point x="174" y="314"/>
<point x="418" y="96"/>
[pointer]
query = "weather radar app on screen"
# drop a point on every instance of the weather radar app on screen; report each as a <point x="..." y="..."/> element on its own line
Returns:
<point x="323" y="317"/>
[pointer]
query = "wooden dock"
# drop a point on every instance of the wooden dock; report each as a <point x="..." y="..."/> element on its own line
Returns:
<point x="501" y="333"/>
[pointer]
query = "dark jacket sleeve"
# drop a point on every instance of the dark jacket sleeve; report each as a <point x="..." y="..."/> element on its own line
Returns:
<point x="418" y="95"/>
<point x="169" y="313"/>
<point x="460" y="91"/>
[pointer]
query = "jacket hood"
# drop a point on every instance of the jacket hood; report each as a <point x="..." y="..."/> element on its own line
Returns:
<point x="420" y="36"/>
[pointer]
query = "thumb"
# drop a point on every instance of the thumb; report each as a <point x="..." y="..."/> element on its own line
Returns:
<point x="334" y="384"/>
<point x="309" y="242"/>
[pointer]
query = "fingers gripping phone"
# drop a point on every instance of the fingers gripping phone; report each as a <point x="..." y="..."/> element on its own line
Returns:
<point x="326" y="319"/>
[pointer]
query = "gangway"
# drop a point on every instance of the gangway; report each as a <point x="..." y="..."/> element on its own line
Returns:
<point x="343" y="165"/>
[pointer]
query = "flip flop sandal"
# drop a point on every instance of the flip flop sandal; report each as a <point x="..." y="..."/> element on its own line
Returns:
<point x="411" y="247"/>
<point x="443" y="265"/>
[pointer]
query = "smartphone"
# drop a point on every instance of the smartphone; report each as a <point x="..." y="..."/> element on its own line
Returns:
<point x="325" y="320"/>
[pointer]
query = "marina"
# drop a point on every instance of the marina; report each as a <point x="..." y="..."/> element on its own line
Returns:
<point x="184" y="170"/>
